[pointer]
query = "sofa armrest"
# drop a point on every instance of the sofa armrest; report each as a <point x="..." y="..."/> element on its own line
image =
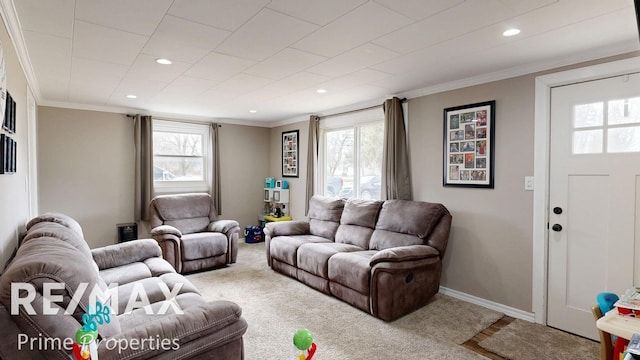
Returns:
<point x="125" y="253"/>
<point x="280" y="228"/>
<point x="404" y="253"/>
<point x="224" y="226"/>
<point x="164" y="230"/>
<point x="218" y="321"/>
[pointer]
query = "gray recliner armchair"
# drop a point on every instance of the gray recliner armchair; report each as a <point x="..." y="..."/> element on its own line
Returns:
<point x="190" y="234"/>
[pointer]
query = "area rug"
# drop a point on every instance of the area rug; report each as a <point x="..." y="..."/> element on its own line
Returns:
<point x="521" y="340"/>
<point x="275" y="306"/>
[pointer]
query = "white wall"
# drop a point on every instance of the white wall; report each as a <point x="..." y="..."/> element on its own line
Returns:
<point x="14" y="196"/>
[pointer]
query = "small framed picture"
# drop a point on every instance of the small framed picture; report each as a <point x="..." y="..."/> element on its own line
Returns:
<point x="469" y="145"/>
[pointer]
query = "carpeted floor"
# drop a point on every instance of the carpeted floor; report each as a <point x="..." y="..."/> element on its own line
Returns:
<point x="526" y="341"/>
<point x="275" y="306"/>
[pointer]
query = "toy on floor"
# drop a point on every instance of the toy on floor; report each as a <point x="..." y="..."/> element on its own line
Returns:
<point x="86" y="346"/>
<point x="305" y="348"/>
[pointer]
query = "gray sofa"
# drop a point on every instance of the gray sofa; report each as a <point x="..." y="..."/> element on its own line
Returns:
<point x="382" y="257"/>
<point x="177" y="324"/>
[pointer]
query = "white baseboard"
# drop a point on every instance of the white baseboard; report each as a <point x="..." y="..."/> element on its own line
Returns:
<point x="507" y="310"/>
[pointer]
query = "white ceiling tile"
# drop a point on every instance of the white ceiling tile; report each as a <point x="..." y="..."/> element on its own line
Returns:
<point x="97" y="71"/>
<point x="357" y="27"/>
<point x="51" y="53"/>
<point x="186" y="86"/>
<point x="143" y="89"/>
<point x="218" y="67"/>
<point x="56" y="86"/>
<point x="236" y="86"/>
<point x="288" y="61"/>
<point x="183" y="40"/>
<point x="53" y="17"/>
<point x="100" y="43"/>
<point x="223" y="14"/>
<point x="146" y="67"/>
<point x="83" y="90"/>
<point x="317" y="12"/>
<point x="361" y="77"/>
<point x="420" y="9"/>
<point x="286" y="86"/>
<point x="265" y="35"/>
<point x="139" y="16"/>
<point x="445" y="26"/>
<point x="353" y="60"/>
<point x="520" y="7"/>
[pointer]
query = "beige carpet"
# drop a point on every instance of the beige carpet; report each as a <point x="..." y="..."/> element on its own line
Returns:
<point x="522" y="340"/>
<point x="275" y="306"/>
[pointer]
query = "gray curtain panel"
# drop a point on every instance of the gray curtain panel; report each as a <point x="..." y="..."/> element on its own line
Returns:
<point x="396" y="176"/>
<point x="215" y="167"/>
<point x="312" y="159"/>
<point x="143" y="134"/>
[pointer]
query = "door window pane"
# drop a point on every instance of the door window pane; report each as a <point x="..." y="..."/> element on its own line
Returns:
<point x="587" y="115"/>
<point x="625" y="111"/>
<point x="587" y="141"/>
<point x="623" y="139"/>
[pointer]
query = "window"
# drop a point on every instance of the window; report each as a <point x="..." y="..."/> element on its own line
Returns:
<point x="180" y="156"/>
<point x="612" y="125"/>
<point x="351" y="155"/>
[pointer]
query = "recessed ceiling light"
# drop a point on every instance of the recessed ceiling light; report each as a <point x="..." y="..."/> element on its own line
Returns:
<point x="253" y="111"/>
<point x="163" y="61"/>
<point x="321" y="91"/>
<point x="131" y="96"/>
<point x="511" y="32"/>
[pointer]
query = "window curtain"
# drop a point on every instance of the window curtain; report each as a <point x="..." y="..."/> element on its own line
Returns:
<point x="312" y="158"/>
<point x="396" y="177"/>
<point x="215" y="167"/>
<point x="143" y="134"/>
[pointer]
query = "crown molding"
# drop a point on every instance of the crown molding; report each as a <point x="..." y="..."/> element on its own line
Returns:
<point x="12" y="24"/>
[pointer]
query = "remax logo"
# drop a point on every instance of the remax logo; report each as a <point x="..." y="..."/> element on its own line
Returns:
<point x="23" y="295"/>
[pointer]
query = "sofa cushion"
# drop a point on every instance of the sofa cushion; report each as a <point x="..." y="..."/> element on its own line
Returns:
<point x="361" y="212"/>
<point x="58" y="218"/>
<point x="203" y="245"/>
<point x="357" y="222"/>
<point x="313" y="257"/>
<point x="125" y="274"/>
<point x="190" y="225"/>
<point x="410" y="217"/>
<point x="354" y="235"/>
<point x="351" y="270"/>
<point x="325" y="208"/>
<point x="382" y="239"/>
<point x="324" y="216"/>
<point x="285" y="248"/>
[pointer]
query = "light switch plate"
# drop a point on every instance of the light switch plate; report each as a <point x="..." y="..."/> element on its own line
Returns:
<point x="528" y="183"/>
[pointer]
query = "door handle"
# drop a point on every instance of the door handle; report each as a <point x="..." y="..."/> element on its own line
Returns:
<point x="556" y="227"/>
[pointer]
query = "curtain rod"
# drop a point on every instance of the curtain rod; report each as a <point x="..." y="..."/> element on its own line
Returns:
<point x="403" y="100"/>
<point x="181" y="120"/>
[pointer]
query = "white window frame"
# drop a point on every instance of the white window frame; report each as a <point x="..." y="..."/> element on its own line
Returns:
<point x="341" y="122"/>
<point x="172" y="187"/>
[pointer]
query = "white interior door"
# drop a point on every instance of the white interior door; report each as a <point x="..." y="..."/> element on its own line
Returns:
<point x="594" y="197"/>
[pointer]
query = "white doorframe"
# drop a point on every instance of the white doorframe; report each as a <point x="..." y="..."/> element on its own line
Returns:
<point x="543" y="87"/>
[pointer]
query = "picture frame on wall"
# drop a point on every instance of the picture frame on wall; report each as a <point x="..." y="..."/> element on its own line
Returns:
<point x="290" y="153"/>
<point x="468" y="140"/>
